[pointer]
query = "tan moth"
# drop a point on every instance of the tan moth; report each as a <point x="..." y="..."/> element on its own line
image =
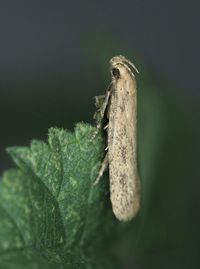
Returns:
<point x="120" y="105"/>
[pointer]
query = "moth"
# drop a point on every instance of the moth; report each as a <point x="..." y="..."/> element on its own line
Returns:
<point x="119" y="106"/>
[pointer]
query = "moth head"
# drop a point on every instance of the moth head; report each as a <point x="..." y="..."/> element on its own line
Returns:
<point x="120" y="64"/>
<point x="115" y="72"/>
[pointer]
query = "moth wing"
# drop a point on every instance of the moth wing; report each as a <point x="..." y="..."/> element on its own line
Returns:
<point x="124" y="182"/>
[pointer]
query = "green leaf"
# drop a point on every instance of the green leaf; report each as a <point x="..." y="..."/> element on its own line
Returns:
<point x="50" y="204"/>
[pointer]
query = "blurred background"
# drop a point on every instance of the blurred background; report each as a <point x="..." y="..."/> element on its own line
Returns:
<point x="54" y="58"/>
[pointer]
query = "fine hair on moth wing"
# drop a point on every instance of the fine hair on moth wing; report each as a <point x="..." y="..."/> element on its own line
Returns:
<point x="119" y="106"/>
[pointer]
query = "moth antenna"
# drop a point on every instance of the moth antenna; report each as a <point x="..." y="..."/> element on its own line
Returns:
<point x="128" y="68"/>
<point x="124" y="59"/>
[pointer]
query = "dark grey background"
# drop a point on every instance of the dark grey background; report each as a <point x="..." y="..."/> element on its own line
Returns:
<point x="53" y="60"/>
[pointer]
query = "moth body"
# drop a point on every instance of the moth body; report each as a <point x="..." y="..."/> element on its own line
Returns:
<point x="121" y="104"/>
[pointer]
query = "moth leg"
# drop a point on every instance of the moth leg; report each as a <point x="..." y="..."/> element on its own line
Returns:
<point x="104" y="104"/>
<point x="101" y="108"/>
<point x="99" y="99"/>
<point x="106" y="126"/>
<point x="104" y="165"/>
